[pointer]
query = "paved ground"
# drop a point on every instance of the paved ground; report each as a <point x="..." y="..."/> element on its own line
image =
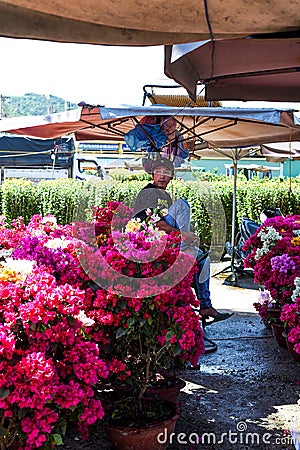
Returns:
<point x="244" y="396"/>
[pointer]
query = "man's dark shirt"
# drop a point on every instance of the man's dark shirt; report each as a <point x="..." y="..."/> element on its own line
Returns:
<point x="148" y="198"/>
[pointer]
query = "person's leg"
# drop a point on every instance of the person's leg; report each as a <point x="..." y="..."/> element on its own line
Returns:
<point x="202" y="289"/>
<point x="179" y="216"/>
<point x="201" y="281"/>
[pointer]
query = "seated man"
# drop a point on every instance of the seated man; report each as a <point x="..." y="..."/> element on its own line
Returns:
<point x="178" y="218"/>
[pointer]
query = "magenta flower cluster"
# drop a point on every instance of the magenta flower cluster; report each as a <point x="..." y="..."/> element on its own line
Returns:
<point x="277" y="266"/>
<point x="149" y="308"/>
<point x="49" y="363"/>
<point x="290" y="315"/>
<point x="61" y="332"/>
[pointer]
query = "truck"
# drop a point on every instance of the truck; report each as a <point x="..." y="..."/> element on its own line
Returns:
<point x="46" y="159"/>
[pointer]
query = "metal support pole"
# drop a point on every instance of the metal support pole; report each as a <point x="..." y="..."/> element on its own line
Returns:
<point x="232" y="278"/>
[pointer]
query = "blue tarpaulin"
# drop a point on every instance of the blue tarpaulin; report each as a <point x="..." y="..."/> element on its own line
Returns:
<point x="31" y="152"/>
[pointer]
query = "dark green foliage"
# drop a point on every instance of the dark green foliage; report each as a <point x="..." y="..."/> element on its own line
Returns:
<point x="34" y="105"/>
<point x="67" y="199"/>
<point x="19" y="198"/>
<point x="210" y="202"/>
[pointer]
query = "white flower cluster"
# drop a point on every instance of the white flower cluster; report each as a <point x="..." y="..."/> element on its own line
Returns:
<point x="21" y="266"/>
<point x="49" y="220"/>
<point x="135" y="225"/>
<point x="153" y="217"/>
<point x="296" y="232"/>
<point x="86" y="321"/>
<point x="269" y="236"/>
<point x="56" y="243"/>
<point x="156" y="233"/>
<point x="296" y="291"/>
<point x="265" y="296"/>
<point x="5" y="253"/>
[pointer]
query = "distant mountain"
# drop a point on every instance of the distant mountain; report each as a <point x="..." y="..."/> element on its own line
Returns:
<point x="33" y="105"/>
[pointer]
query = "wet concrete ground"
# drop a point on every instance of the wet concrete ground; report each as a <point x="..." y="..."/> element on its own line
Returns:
<point x="244" y="395"/>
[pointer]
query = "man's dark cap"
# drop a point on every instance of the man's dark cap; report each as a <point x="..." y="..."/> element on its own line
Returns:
<point x="165" y="162"/>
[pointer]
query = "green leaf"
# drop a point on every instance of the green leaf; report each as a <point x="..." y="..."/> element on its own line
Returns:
<point x="57" y="439"/>
<point x="22" y="413"/>
<point x="120" y="332"/>
<point x="4" y="393"/>
<point x="3" y="431"/>
<point x="169" y="335"/>
<point x="33" y="326"/>
<point x="71" y="320"/>
<point x="131" y="321"/>
<point x="122" y="304"/>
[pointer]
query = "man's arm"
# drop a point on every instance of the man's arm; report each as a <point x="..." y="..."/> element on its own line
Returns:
<point x="147" y="198"/>
<point x="189" y="237"/>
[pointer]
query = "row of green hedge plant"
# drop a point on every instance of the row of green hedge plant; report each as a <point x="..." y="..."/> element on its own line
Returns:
<point x="210" y="201"/>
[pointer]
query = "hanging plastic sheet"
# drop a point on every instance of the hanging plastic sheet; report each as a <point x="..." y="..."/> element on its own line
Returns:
<point x="145" y="136"/>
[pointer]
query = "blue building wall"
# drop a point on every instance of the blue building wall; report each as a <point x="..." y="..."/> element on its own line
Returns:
<point x="289" y="168"/>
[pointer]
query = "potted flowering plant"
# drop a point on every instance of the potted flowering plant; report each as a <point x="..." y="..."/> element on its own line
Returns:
<point x="144" y="309"/>
<point x="275" y="257"/>
<point x="49" y="364"/>
<point x="290" y="316"/>
<point x="266" y="308"/>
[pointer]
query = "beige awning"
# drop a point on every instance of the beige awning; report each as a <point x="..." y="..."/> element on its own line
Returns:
<point x="144" y="22"/>
<point x="219" y="127"/>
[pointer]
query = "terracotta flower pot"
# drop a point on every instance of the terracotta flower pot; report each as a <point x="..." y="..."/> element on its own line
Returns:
<point x="278" y="329"/>
<point x="290" y="347"/>
<point x="152" y="437"/>
<point x="168" y="388"/>
<point x="273" y="313"/>
<point x="171" y="391"/>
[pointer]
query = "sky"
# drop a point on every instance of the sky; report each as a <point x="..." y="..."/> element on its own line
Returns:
<point x="95" y="74"/>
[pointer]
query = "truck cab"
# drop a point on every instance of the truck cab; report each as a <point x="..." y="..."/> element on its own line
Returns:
<point x="46" y="159"/>
<point x="88" y="167"/>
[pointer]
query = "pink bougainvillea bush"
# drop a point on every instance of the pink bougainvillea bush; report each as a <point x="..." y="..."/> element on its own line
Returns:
<point x="275" y="258"/>
<point x="49" y="363"/>
<point x="75" y="311"/>
<point x="290" y="316"/>
<point x="144" y="305"/>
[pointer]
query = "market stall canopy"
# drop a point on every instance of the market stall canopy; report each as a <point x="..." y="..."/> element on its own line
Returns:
<point x="132" y="22"/>
<point x="252" y="168"/>
<point x="272" y="152"/>
<point x="234" y="153"/>
<point x="249" y="68"/>
<point x="219" y="127"/>
<point x="280" y="151"/>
